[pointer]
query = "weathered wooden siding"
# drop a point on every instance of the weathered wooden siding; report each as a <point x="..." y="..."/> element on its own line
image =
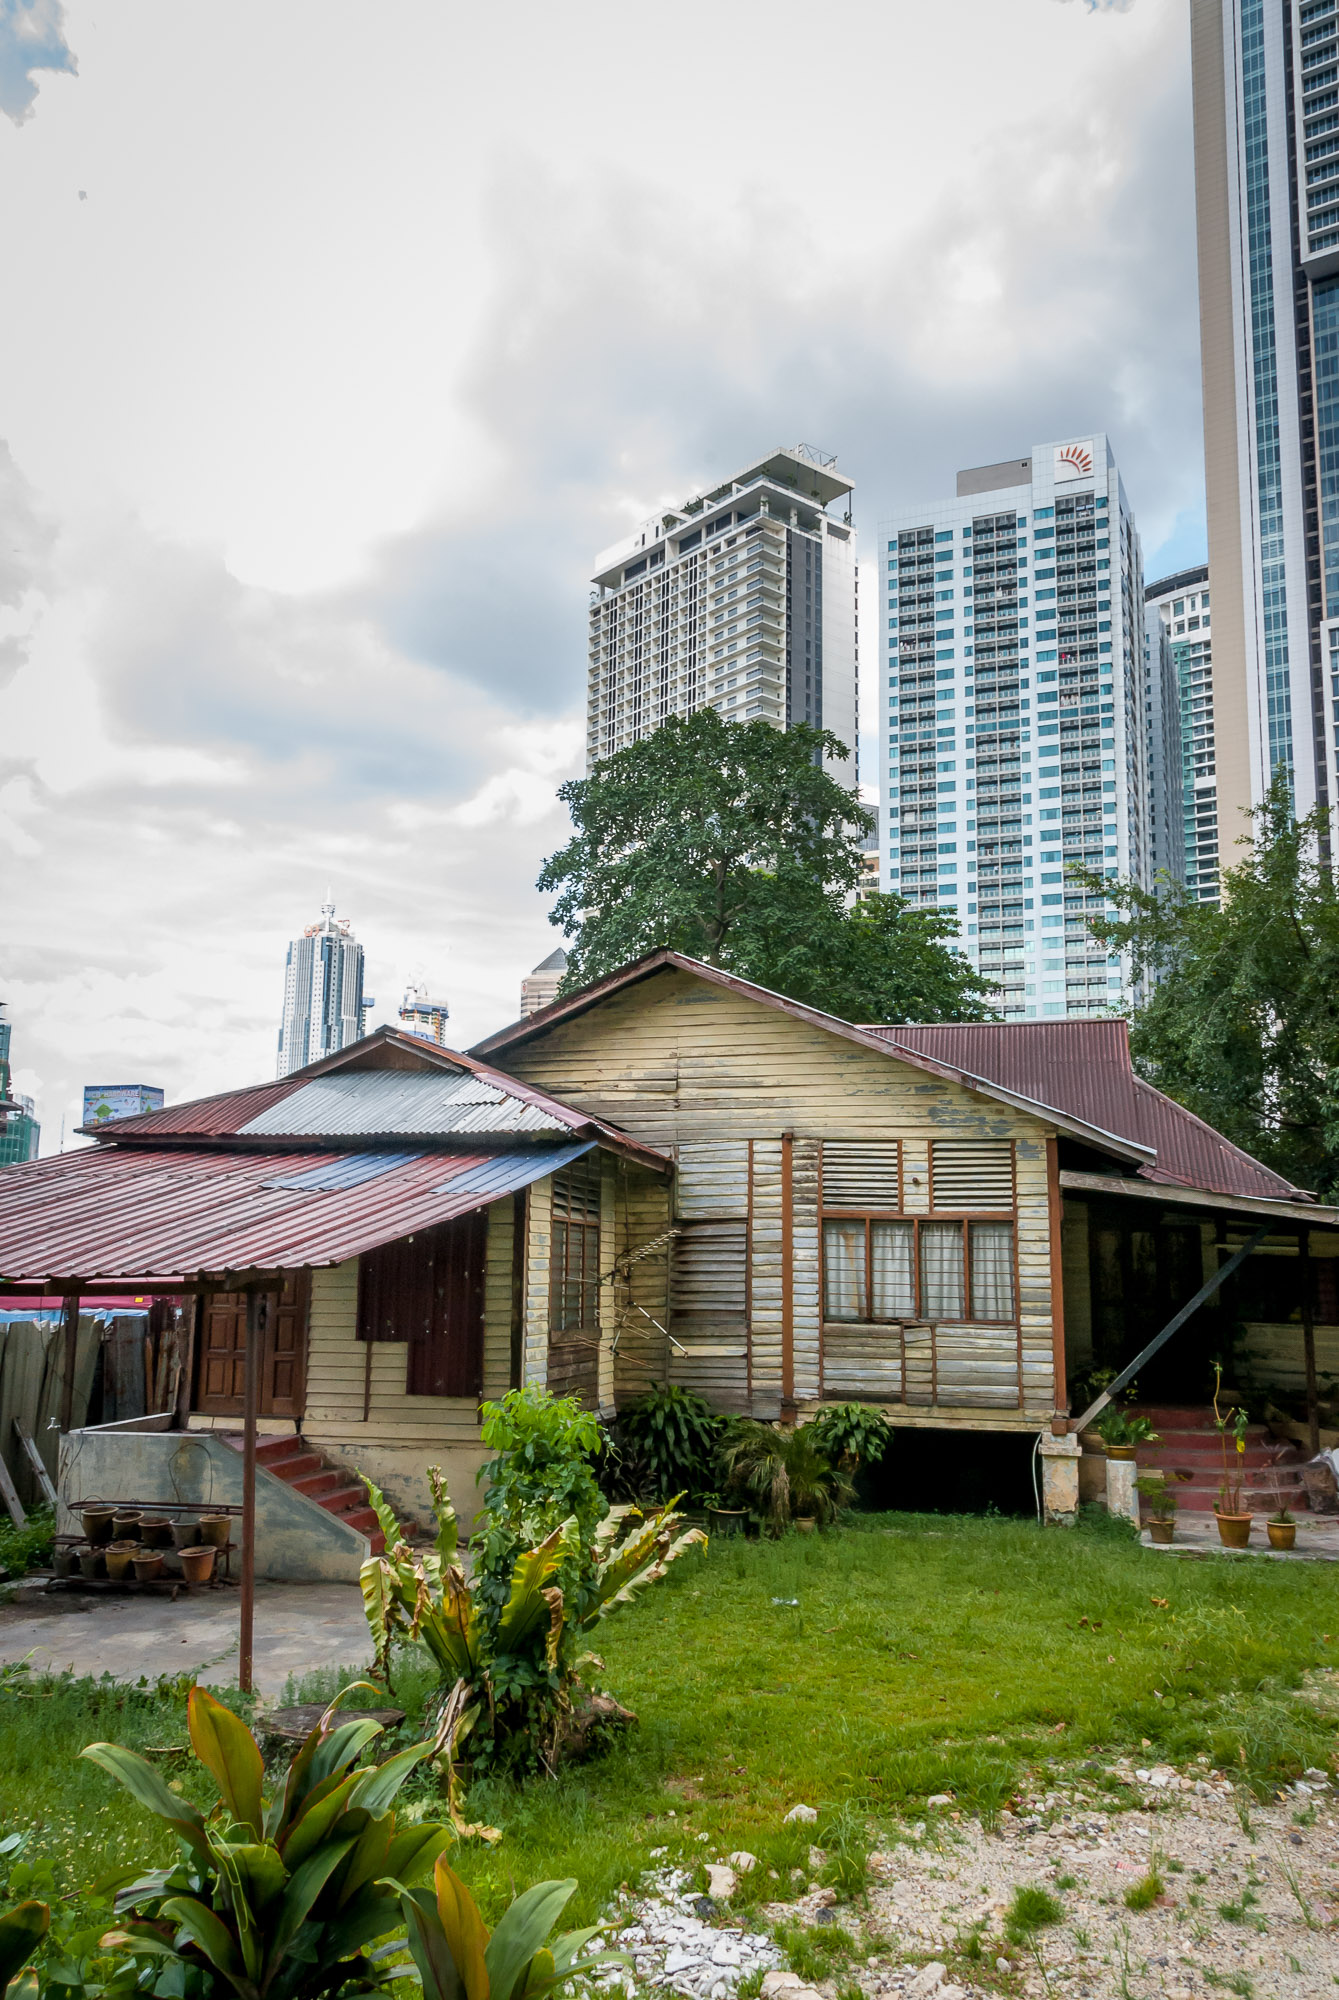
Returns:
<point x="744" y="1095"/>
<point x="638" y="1308"/>
<point x="357" y="1389"/>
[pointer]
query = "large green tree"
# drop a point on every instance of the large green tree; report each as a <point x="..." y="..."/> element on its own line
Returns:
<point x="731" y="843"/>
<point x="1243" y="1025"/>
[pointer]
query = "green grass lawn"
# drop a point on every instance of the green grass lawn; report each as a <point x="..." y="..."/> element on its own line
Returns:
<point x="893" y="1658"/>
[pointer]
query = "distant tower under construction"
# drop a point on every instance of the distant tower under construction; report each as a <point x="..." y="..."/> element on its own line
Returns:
<point x="424" y="1017"/>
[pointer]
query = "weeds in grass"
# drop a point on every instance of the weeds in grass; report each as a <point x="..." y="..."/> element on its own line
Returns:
<point x="843" y="1831"/>
<point x="816" y="1953"/>
<point x="1142" y="1895"/>
<point x="851" y="1992"/>
<point x="1082" y="1938"/>
<point x="1243" y="1910"/>
<point x="1229" y="1982"/>
<point x="1307" y="1816"/>
<point x="1030" y="1911"/>
<point x="1064" y="1882"/>
<point x="1244" y="1816"/>
<point x="29" y="1547"/>
<point x="750" y="1987"/>
<point x="1308" y="1915"/>
<point x="968" y="1944"/>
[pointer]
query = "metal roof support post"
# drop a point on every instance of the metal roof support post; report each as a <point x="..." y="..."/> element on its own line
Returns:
<point x="256" y="1313"/>
<point x="70" y="1327"/>
<point x="1309" y="1340"/>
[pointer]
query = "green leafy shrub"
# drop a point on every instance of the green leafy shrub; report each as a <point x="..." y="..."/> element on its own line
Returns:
<point x="28" y="1547"/>
<point x="1117" y="1427"/>
<point x="458" y="1959"/>
<point x="274" y="1898"/>
<point x="505" y="1641"/>
<point x="851" y="1436"/>
<point x="671" y="1434"/>
<point x="781" y="1474"/>
<point x="21" y="1932"/>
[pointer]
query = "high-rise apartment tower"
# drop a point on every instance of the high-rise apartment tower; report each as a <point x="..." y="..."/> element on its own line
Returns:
<point x="1016" y="740"/>
<point x="743" y="597"/>
<point x="1178" y="612"/>
<point x="1266" y="97"/>
<point x="325" y="1007"/>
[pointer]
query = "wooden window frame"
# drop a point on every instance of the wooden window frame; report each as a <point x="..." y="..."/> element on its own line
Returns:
<point x="569" y="1233"/>
<point x="983" y="1214"/>
<point x="964" y="1220"/>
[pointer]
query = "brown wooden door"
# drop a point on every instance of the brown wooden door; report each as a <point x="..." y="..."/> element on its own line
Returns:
<point x="221" y="1365"/>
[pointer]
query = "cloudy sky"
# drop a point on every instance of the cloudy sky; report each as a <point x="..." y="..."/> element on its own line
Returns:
<point x="338" y="339"/>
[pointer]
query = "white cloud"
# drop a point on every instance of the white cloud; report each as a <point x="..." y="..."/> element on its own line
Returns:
<point x="32" y="38"/>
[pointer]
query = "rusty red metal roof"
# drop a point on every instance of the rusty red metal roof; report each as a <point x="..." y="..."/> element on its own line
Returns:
<point x="148" y="1214"/>
<point x="390" y="1086"/>
<point x="1083" y="1068"/>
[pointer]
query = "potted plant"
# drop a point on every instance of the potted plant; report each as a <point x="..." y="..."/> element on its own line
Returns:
<point x="1122" y="1434"/>
<point x="1162" y="1506"/>
<point x="783" y="1474"/>
<point x="1281" y="1529"/>
<point x="722" y="1519"/>
<point x="1234" y="1520"/>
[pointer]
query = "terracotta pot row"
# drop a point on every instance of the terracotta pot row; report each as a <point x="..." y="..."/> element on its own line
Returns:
<point x="117" y="1560"/>
<point x="153" y="1531"/>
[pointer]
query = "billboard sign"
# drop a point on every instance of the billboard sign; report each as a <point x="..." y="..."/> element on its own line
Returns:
<point x="105" y="1101"/>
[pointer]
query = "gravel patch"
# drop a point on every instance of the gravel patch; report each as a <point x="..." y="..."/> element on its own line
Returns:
<point x="1248" y="1902"/>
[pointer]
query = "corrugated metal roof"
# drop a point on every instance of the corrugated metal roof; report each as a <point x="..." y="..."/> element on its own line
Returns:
<point x="133" y="1212"/>
<point x="348" y="1171"/>
<point x="387" y="1102"/>
<point x="1083" y="1068"/>
<point x="203" y="1117"/>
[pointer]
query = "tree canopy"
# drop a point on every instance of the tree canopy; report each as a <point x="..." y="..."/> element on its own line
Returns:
<point x="1243" y="1025"/>
<point x="730" y="843"/>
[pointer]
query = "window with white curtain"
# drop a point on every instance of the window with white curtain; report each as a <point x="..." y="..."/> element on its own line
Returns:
<point x="880" y="1270"/>
<point x="992" y="1259"/>
<point x="942" y="1287"/>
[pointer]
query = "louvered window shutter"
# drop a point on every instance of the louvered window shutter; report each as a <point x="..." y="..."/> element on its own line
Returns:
<point x="968" y="1174"/>
<point x="862" y="1173"/>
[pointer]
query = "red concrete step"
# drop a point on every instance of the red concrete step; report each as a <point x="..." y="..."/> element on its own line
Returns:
<point x="295" y="1467"/>
<point x="315" y="1484"/>
<point x="270" y="1448"/>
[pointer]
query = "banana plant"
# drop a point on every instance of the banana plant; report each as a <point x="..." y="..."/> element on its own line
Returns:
<point x="275" y="1898"/>
<point x="513" y="1650"/>
<point x="22" y="1930"/>
<point x="459" y="1959"/>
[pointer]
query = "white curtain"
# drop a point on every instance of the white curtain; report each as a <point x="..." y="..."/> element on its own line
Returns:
<point x="844" y="1270"/>
<point x="942" y="1294"/>
<point x="992" y="1270"/>
<point x="894" y="1275"/>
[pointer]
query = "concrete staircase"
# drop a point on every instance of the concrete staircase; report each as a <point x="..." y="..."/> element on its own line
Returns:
<point x="1189" y="1450"/>
<point x="302" y="1467"/>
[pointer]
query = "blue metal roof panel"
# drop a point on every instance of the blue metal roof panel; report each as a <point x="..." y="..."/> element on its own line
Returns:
<point x="385" y="1103"/>
<point x="504" y="1173"/>
<point x="350" y="1170"/>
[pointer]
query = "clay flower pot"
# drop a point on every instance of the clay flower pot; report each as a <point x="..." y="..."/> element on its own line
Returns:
<point x="125" y="1525"/>
<point x="806" y="1524"/>
<point x="185" y="1533"/>
<point x="65" y="1561"/>
<point x="120" y="1556"/>
<point x="148" y="1564"/>
<point x="726" y="1520"/>
<point x="216" y="1529"/>
<point x="1161" y="1532"/>
<point x="91" y="1562"/>
<point x="1282" y="1534"/>
<point x="1122" y="1451"/>
<point x="155" y="1531"/>
<point x="98" y="1524"/>
<point x="197" y="1564"/>
<point x="1234" y="1530"/>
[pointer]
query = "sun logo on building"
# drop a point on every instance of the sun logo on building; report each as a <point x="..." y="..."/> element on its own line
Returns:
<point x="1073" y="461"/>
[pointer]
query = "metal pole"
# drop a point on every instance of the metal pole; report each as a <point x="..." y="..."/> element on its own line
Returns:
<point x="255" y="1324"/>
<point x="70" y="1320"/>
<point x="1309" y="1341"/>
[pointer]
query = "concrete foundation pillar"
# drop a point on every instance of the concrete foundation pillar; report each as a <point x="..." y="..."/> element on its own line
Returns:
<point x="1122" y="1498"/>
<point x="1060" y="1480"/>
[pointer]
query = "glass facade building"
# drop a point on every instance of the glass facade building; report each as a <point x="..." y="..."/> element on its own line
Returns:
<point x="1016" y="740"/>
<point x="1179" y="615"/>
<point x="1266" y="99"/>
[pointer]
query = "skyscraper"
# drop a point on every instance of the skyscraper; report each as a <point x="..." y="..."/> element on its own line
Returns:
<point x="1178" y="609"/>
<point x="1016" y="739"/>
<point x="325" y="1007"/>
<point x="20" y="1133"/>
<point x="1266" y="98"/>
<point x="1162" y="750"/>
<point x="540" y="987"/>
<point x="743" y="597"/>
